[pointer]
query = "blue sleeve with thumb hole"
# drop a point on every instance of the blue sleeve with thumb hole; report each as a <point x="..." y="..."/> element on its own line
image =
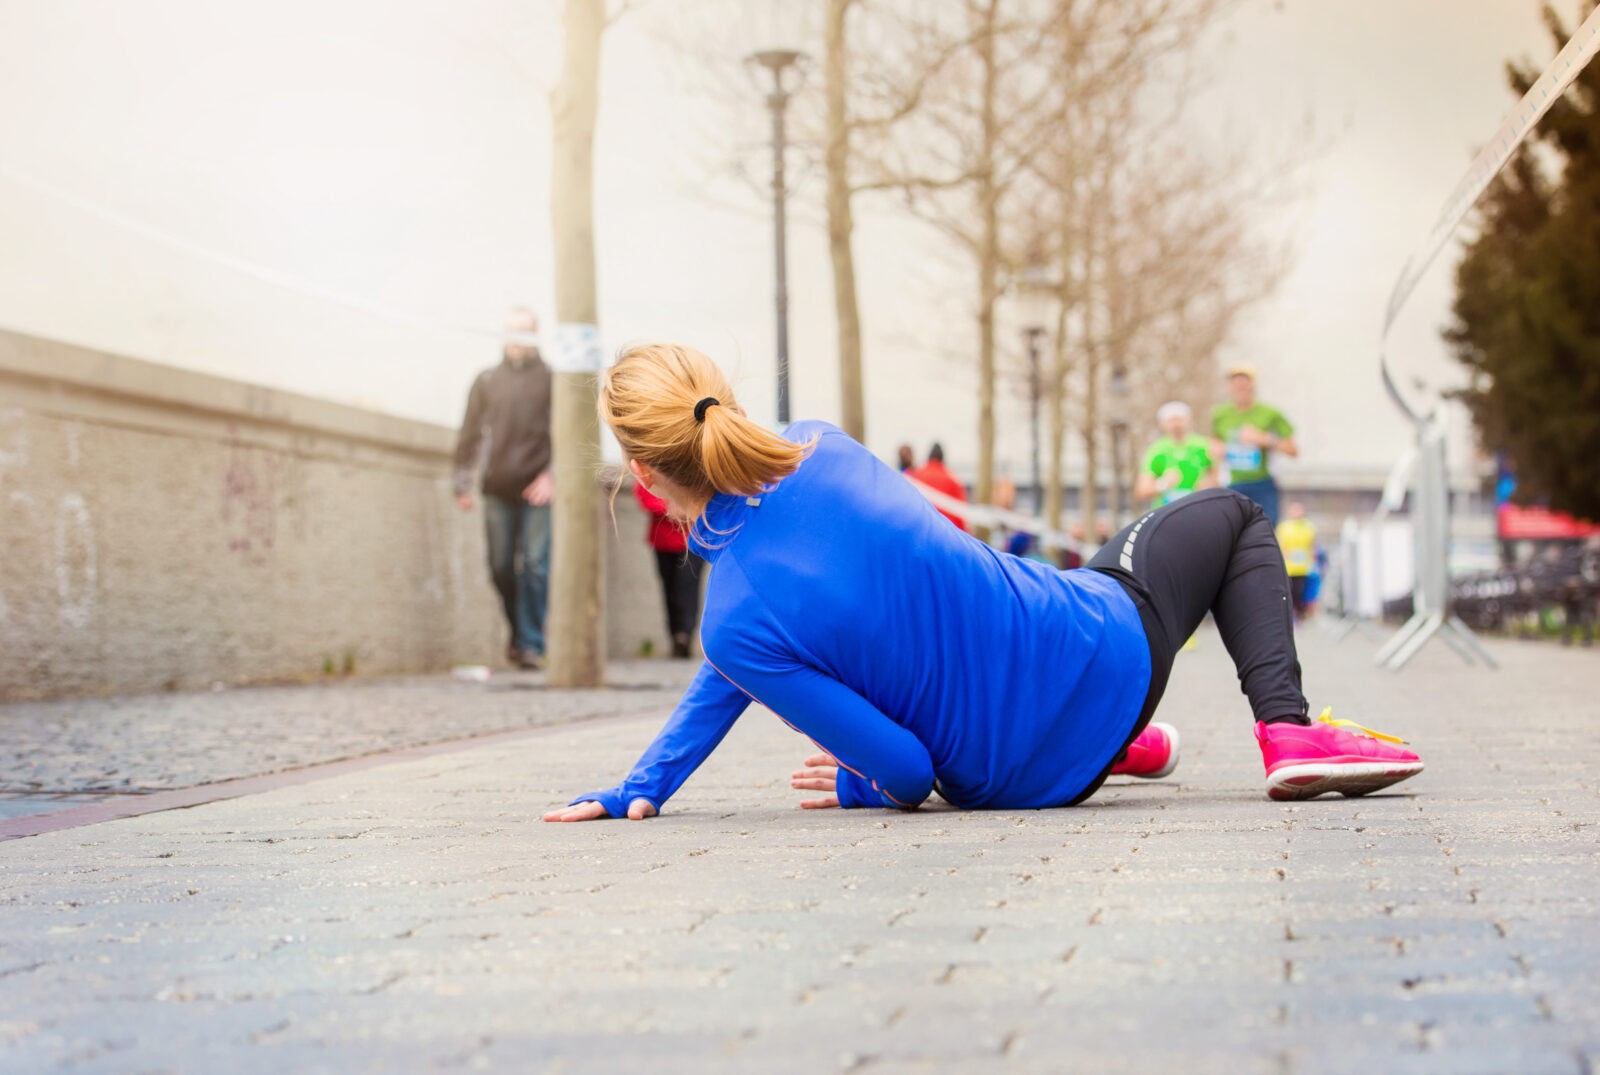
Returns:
<point x="702" y="718"/>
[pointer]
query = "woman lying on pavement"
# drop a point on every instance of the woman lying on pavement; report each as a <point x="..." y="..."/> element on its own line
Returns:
<point x="1023" y="686"/>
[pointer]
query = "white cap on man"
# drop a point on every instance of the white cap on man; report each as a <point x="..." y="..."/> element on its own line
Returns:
<point x="1174" y="409"/>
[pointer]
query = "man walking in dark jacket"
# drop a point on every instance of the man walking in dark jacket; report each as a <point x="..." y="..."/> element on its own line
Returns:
<point x="507" y="432"/>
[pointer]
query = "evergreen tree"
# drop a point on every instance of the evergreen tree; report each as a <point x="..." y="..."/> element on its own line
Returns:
<point x="1527" y="307"/>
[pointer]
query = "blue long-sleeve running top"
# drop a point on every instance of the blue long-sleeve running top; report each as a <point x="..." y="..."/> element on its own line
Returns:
<point x="912" y="652"/>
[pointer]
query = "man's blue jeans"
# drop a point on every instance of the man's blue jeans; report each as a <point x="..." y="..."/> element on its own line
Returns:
<point x="1263" y="492"/>
<point x="519" y="562"/>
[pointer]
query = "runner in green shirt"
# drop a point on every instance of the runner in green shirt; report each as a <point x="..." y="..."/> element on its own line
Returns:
<point x="1178" y="463"/>
<point x="1247" y="433"/>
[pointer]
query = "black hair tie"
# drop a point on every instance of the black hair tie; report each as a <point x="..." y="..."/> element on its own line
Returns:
<point x="700" y="408"/>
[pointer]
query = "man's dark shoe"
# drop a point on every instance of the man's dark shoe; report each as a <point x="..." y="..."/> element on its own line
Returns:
<point x="525" y="659"/>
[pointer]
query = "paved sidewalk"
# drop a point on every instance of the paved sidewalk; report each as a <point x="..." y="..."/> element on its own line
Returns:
<point x="417" y="916"/>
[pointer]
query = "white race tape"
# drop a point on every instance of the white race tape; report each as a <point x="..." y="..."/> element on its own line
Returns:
<point x="986" y="515"/>
<point x="577" y="349"/>
<point x="1486" y="165"/>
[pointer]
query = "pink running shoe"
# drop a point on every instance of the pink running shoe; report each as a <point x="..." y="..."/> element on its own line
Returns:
<point x="1304" y="762"/>
<point x="1153" y="753"/>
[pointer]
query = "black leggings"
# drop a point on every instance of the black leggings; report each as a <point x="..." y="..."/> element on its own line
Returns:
<point x="680" y="586"/>
<point x="1212" y="551"/>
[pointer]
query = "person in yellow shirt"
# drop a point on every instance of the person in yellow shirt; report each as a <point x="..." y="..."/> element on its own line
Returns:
<point x="1298" y="540"/>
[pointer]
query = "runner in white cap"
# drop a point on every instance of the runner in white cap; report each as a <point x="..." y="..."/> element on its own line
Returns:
<point x="1178" y="462"/>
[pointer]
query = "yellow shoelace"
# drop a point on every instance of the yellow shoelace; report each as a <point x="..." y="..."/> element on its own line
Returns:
<point x="1327" y="718"/>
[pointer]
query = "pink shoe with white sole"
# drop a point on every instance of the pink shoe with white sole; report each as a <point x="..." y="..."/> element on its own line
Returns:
<point x="1153" y="753"/>
<point x="1331" y="756"/>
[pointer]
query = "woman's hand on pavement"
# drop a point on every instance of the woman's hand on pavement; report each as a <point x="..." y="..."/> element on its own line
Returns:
<point x="638" y="810"/>
<point x="820" y="773"/>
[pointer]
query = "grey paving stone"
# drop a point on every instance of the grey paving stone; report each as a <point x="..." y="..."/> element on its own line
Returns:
<point x="418" y="916"/>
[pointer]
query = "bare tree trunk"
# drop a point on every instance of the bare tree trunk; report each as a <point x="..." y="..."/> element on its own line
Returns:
<point x="841" y="221"/>
<point x="1091" y="369"/>
<point x="988" y="198"/>
<point x="1091" y="448"/>
<point x="1056" y="402"/>
<point x="577" y="580"/>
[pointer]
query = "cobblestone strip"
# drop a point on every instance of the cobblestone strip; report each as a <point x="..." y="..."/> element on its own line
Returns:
<point x="150" y="742"/>
<point x="111" y="808"/>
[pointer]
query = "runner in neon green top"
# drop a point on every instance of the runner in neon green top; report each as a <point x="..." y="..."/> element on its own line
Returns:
<point x="1248" y="433"/>
<point x="1178" y="463"/>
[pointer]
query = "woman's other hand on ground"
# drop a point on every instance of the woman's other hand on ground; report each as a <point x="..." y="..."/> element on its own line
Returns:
<point x="821" y="773"/>
<point x="638" y="810"/>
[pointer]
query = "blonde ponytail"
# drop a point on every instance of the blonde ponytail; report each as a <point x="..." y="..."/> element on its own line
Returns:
<point x="650" y="399"/>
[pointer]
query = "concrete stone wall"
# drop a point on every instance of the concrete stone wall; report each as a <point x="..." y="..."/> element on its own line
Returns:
<point x="161" y="529"/>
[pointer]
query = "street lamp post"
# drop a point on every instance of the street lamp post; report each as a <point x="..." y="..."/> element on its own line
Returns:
<point x="1119" y="437"/>
<point x="1036" y="296"/>
<point x="779" y="61"/>
<point x="1033" y="333"/>
<point x="1119" y="441"/>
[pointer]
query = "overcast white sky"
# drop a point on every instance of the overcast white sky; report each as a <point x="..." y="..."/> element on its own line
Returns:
<point x="397" y="151"/>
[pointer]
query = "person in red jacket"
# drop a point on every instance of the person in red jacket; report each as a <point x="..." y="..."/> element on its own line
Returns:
<point x="935" y="475"/>
<point x="679" y="569"/>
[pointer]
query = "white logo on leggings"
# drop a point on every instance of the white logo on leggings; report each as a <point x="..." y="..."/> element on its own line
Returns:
<point x="1126" y="560"/>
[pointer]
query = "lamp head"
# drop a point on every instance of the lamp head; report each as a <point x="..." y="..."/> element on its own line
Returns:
<point x="778" y="61"/>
